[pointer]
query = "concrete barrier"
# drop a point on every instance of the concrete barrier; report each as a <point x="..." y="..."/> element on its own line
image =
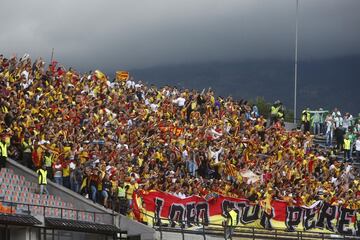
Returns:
<point x="290" y="126"/>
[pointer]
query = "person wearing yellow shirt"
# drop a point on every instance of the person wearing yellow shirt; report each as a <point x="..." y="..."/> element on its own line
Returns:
<point x="268" y="196"/>
<point x="130" y="188"/>
<point x="66" y="175"/>
<point x="158" y="156"/>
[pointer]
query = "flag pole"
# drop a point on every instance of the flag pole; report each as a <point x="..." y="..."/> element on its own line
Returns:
<point x="52" y="56"/>
<point x="296" y="59"/>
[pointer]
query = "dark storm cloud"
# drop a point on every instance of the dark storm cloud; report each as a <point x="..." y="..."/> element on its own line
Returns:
<point x="133" y="34"/>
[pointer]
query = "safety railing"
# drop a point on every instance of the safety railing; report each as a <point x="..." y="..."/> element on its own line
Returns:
<point x="228" y="231"/>
<point x="77" y="215"/>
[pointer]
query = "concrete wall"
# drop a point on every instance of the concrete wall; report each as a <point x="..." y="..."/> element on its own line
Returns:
<point x="81" y="203"/>
<point x="133" y="228"/>
<point x="290" y="126"/>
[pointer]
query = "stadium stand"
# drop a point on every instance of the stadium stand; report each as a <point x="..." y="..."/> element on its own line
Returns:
<point x="117" y="142"/>
<point x="15" y="189"/>
<point x="21" y="205"/>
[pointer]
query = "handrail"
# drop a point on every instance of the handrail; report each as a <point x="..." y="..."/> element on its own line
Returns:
<point x="229" y="230"/>
<point x="64" y="208"/>
<point x="183" y="223"/>
<point x="44" y="207"/>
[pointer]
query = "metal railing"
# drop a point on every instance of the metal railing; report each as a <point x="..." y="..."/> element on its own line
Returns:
<point x="228" y="231"/>
<point x="108" y="219"/>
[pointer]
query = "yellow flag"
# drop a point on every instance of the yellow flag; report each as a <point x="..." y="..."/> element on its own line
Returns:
<point x="100" y="75"/>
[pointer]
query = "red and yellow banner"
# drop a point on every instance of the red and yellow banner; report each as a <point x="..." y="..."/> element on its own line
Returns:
<point x="215" y="209"/>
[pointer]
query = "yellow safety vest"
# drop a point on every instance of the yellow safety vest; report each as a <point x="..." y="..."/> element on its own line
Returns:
<point x="274" y="110"/>
<point x="347" y="144"/>
<point x="306" y="117"/>
<point x="121" y="192"/>
<point x="280" y="114"/>
<point x="3" y="147"/>
<point x="48" y="161"/>
<point x="27" y="146"/>
<point x="42" y="176"/>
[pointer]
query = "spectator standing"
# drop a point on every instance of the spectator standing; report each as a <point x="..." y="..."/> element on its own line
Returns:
<point x="121" y="195"/>
<point x="48" y="162"/>
<point x="339" y="136"/>
<point x="346" y="147"/>
<point x="58" y="172"/>
<point x="27" y="148"/>
<point x="75" y="177"/>
<point x="106" y="191"/>
<point x="329" y="123"/>
<point x="305" y="120"/>
<point x="322" y="121"/>
<point x="131" y="187"/>
<point x="338" y="120"/>
<point x="347" y="121"/>
<point x="84" y="190"/>
<point x="93" y="182"/>
<point x="357" y="148"/>
<point x="66" y="175"/>
<point x="316" y="118"/>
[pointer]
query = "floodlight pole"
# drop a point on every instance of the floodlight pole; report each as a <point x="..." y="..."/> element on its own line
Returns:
<point x="296" y="59"/>
<point x="52" y="56"/>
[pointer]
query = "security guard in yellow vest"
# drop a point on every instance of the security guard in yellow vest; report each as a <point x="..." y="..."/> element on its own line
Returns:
<point x="3" y="151"/>
<point x="305" y="120"/>
<point x="347" y="147"/>
<point x="27" y="149"/>
<point x="42" y="173"/>
<point x="48" y="162"/>
<point x="121" y="194"/>
<point x="276" y="112"/>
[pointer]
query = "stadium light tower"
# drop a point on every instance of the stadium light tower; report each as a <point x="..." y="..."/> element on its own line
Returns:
<point x="296" y="58"/>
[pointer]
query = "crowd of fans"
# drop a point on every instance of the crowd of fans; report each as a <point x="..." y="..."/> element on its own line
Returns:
<point x="106" y="139"/>
<point x="340" y="132"/>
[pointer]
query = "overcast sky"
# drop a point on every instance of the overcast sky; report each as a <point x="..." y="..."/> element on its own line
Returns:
<point x="133" y="34"/>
